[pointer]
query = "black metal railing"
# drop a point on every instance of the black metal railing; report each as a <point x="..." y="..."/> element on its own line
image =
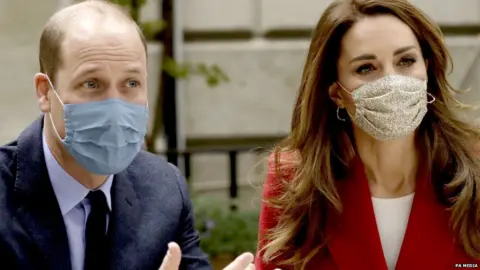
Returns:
<point x="231" y="152"/>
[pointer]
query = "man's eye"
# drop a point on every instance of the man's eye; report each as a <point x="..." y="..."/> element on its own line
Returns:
<point x="133" y="83"/>
<point x="90" y="85"/>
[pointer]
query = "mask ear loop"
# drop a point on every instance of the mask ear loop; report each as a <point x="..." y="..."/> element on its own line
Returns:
<point x="433" y="98"/>
<point x="49" y="113"/>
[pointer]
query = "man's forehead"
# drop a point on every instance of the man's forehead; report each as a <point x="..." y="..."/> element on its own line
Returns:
<point x="99" y="32"/>
<point x="107" y="36"/>
<point x="92" y="18"/>
<point x="91" y="29"/>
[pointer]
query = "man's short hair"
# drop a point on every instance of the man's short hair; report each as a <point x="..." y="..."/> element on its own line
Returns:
<point x="53" y="34"/>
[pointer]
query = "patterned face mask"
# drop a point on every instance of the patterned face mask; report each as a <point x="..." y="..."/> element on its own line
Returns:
<point x="390" y="107"/>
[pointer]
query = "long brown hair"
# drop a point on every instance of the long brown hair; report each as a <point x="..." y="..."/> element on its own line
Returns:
<point x="319" y="145"/>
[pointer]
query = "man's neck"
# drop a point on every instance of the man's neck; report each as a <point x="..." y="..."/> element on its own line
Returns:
<point x="68" y="163"/>
<point x="390" y="166"/>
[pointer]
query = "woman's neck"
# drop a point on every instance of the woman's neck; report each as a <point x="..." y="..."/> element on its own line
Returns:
<point x="390" y="166"/>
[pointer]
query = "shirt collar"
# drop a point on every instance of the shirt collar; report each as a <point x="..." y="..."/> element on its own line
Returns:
<point x="69" y="192"/>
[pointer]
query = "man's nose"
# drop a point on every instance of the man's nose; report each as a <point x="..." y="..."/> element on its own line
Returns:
<point x="114" y="92"/>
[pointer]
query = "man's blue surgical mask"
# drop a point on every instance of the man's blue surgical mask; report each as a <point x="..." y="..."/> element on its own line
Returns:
<point x="103" y="136"/>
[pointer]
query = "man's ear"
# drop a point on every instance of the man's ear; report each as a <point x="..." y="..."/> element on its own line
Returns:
<point x="42" y="87"/>
<point x="334" y="94"/>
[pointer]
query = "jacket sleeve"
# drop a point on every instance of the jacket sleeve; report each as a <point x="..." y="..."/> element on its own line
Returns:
<point x="268" y="215"/>
<point x="188" y="238"/>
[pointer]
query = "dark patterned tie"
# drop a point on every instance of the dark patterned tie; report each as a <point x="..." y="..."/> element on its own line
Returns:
<point x="96" y="232"/>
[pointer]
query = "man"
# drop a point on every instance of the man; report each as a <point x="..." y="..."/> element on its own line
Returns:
<point x="76" y="192"/>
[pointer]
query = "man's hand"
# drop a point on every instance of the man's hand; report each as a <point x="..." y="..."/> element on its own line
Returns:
<point x="171" y="261"/>
<point x="242" y="262"/>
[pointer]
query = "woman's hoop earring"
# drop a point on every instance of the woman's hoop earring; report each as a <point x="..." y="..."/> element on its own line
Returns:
<point x="338" y="115"/>
<point x="433" y="98"/>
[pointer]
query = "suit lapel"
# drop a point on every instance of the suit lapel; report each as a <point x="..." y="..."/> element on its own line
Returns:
<point x="428" y="241"/>
<point x="124" y="222"/>
<point x="353" y="236"/>
<point x="38" y="209"/>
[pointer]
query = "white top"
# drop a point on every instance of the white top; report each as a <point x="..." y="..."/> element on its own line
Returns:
<point x="392" y="218"/>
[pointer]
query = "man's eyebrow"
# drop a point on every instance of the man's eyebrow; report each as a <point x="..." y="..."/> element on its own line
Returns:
<point x="134" y="70"/>
<point x="87" y="71"/>
<point x="94" y="69"/>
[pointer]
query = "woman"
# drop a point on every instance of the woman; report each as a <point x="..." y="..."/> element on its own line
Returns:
<point x="377" y="173"/>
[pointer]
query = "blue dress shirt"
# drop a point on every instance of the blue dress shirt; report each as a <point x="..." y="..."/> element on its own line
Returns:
<point x="73" y="205"/>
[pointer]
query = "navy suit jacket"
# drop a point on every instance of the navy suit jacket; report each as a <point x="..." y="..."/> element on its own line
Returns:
<point x="150" y="208"/>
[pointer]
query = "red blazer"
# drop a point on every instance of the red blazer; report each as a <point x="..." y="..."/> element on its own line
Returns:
<point x="355" y="244"/>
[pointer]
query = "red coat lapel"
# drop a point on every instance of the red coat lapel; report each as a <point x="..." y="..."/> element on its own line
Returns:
<point x="428" y="242"/>
<point x="354" y="240"/>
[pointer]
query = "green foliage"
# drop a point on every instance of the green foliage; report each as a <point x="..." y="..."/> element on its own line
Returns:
<point x="225" y="232"/>
<point x="213" y="74"/>
<point x="151" y="29"/>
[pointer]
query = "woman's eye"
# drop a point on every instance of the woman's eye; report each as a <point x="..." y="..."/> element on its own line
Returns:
<point x="365" y="69"/>
<point x="90" y="85"/>
<point x="407" y="61"/>
<point x="133" y="83"/>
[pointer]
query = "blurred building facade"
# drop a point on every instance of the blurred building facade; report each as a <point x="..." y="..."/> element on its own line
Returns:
<point x="260" y="44"/>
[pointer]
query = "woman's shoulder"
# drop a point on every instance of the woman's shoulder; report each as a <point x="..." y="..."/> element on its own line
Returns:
<point x="280" y="171"/>
<point x="282" y="164"/>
